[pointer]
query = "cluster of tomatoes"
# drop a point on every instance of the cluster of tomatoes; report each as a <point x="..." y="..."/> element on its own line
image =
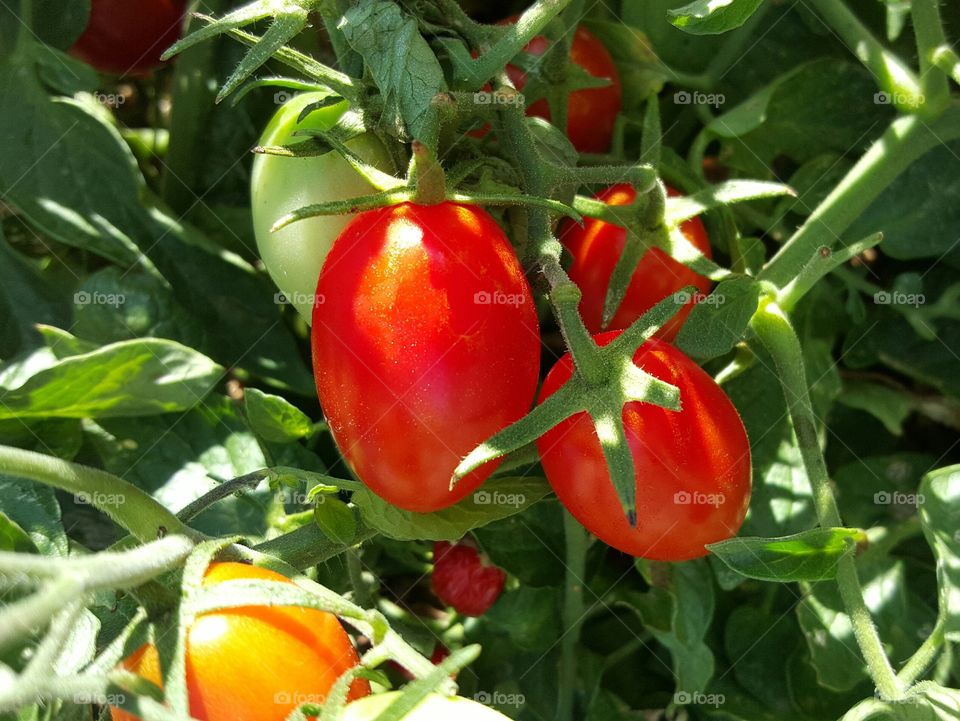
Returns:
<point x="425" y="343"/>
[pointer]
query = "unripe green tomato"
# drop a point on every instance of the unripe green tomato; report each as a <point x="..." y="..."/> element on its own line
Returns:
<point x="278" y="185"/>
<point x="433" y="708"/>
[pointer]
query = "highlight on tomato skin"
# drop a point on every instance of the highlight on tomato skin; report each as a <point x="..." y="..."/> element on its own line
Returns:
<point x="591" y="112"/>
<point x="597" y="245"/>
<point x="425" y="343"/>
<point x="127" y="38"/>
<point x="255" y="663"/>
<point x="693" y="468"/>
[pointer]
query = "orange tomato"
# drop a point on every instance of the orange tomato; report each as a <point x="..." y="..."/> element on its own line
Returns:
<point x="255" y="663"/>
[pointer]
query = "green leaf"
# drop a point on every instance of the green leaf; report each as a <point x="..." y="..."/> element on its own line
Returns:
<point x="403" y="66"/>
<point x="528" y="615"/>
<point x="528" y="546"/>
<point x="336" y="519"/>
<point x="274" y="418"/>
<point x="637" y="64"/>
<point x="940" y="516"/>
<point x="807" y="556"/>
<point x="732" y="191"/>
<point x="34" y="509"/>
<point x="719" y="321"/>
<point x="888" y="405"/>
<point x="710" y="17"/>
<point x="132" y="378"/>
<point x="498" y="498"/>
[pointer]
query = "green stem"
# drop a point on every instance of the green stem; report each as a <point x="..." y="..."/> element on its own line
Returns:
<point x="775" y="332"/>
<point x="361" y="593"/>
<point x="928" y="29"/>
<point x="307" y="546"/>
<point x="576" y="555"/>
<point x="127" y="505"/>
<point x="924" y="655"/>
<point x="906" y="140"/>
<point x="945" y="58"/>
<point x="891" y="73"/>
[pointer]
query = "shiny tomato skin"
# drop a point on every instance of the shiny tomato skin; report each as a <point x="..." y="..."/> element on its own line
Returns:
<point x="294" y="255"/>
<point x="255" y="663"/>
<point x="692" y="466"/>
<point x="127" y="38"/>
<point x="464" y="579"/>
<point x="597" y="245"/>
<point x="591" y="112"/>
<point x="425" y="343"/>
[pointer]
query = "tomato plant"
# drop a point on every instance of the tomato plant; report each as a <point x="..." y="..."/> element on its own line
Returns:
<point x="462" y="578"/>
<point x="413" y="304"/>
<point x="294" y="255"/>
<point x="127" y="39"/>
<point x="692" y="466"/>
<point x="597" y="245"/>
<point x="227" y="651"/>
<point x="591" y="112"/>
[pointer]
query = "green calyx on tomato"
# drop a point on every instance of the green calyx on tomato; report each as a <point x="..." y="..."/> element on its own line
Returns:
<point x="295" y="254"/>
<point x="433" y="708"/>
<point x="425" y="343"/>
<point x="597" y="245"/>
<point x="692" y="467"/>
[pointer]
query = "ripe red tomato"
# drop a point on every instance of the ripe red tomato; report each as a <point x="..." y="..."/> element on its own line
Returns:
<point x="125" y="37"/>
<point x="425" y="343"/>
<point x="692" y="466"/>
<point x="255" y="663"/>
<point x="591" y="112"/>
<point x="597" y="245"/>
<point x="462" y="579"/>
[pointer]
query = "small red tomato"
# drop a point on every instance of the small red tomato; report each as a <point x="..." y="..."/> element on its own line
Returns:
<point x="692" y="466"/>
<point x="255" y="663"/>
<point x="463" y="580"/>
<point x="127" y="38"/>
<point x="596" y="246"/>
<point x="425" y="343"/>
<point x="591" y="112"/>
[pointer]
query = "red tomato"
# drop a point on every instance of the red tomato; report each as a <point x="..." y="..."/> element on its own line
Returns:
<point x="597" y="245"/>
<point x="425" y="343"/>
<point x="462" y="578"/>
<point x="591" y="112"/>
<point x="125" y="37"/>
<point x="255" y="663"/>
<point x="692" y="466"/>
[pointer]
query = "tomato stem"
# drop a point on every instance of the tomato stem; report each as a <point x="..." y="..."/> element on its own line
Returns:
<point x="576" y="541"/>
<point x="426" y="176"/>
<point x="774" y="330"/>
